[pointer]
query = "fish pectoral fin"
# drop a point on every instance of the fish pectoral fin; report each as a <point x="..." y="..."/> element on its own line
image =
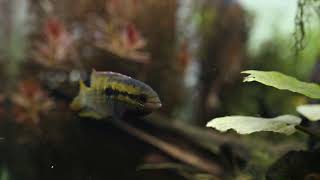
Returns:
<point x="90" y="114"/>
<point x="116" y="110"/>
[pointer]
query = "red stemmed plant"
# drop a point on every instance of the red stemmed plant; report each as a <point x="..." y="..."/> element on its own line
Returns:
<point x="57" y="45"/>
<point x="119" y="35"/>
<point x="30" y="102"/>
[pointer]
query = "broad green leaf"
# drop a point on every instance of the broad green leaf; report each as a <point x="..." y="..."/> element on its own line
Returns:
<point x="310" y="111"/>
<point x="246" y="124"/>
<point x="284" y="82"/>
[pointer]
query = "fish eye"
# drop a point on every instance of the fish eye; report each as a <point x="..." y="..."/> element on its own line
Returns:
<point x="142" y="97"/>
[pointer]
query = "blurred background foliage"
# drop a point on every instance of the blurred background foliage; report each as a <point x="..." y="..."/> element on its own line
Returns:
<point x="190" y="52"/>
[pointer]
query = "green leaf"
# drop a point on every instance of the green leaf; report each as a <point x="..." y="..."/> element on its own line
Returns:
<point x="246" y="124"/>
<point x="310" y="111"/>
<point x="283" y="82"/>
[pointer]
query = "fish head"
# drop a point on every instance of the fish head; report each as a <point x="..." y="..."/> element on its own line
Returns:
<point x="148" y="98"/>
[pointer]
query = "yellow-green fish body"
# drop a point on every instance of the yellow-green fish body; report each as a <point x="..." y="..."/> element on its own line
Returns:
<point x="113" y="94"/>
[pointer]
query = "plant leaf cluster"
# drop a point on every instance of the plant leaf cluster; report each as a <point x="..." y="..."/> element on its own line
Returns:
<point x="284" y="124"/>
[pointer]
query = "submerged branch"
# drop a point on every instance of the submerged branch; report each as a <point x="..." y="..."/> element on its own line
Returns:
<point x="173" y="150"/>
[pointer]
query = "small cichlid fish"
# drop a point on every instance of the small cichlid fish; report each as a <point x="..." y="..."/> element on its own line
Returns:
<point x="114" y="95"/>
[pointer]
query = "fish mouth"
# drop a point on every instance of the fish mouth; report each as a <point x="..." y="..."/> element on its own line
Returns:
<point x="153" y="103"/>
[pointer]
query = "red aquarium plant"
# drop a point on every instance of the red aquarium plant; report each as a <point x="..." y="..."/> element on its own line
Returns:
<point x="30" y="102"/>
<point x="57" y="46"/>
<point x="125" y="42"/>
<point x="119" y="34"/>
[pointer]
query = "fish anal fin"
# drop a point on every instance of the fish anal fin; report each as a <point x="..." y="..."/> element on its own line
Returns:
<point x="90" y="114"/>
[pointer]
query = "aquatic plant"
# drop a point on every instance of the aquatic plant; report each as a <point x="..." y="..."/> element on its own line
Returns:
<point x="118" y="34"/>
<point x="285" y="124"/>
<point x="56" y="47"/>
<point x="30" y="102"/>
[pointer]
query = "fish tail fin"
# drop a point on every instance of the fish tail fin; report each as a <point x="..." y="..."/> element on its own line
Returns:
<point x="76" y="104"/>
<point x="83" y="87"/>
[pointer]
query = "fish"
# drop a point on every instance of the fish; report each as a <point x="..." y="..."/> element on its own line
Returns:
<point x="114" y="95"/>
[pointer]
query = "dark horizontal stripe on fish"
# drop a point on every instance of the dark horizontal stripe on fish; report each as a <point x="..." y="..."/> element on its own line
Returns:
<point x="137" y="97"/>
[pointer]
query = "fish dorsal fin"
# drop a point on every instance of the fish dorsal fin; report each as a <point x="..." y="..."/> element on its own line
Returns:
<point x="97" y="79"/>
